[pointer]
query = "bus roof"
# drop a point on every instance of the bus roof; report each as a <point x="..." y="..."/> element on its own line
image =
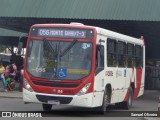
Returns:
<point x="120" y="37"/>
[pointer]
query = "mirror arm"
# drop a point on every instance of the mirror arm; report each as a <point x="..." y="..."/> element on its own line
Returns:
<point x="20" y="44"/>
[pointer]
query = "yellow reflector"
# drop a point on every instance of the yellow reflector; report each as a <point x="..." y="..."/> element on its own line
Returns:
<point x="77" y="71"/>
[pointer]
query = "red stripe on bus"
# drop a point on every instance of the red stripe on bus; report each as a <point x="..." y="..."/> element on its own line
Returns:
<point x="126" y="96"/>
<point x="138" y="82"/>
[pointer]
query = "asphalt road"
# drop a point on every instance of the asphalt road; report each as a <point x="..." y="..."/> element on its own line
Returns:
<point x="147" y="102"/>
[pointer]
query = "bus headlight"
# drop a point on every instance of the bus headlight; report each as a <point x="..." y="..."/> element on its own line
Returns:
<point x="27" y="85"/>
<point x="84" y="89"/>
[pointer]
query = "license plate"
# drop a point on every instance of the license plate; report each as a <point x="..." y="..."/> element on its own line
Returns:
<point x="53" y="102"/>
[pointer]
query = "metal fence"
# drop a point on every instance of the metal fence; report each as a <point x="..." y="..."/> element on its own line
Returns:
<point x="152" y="78"/>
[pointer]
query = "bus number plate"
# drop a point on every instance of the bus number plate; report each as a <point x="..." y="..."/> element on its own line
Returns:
<point x="54" y="102"/>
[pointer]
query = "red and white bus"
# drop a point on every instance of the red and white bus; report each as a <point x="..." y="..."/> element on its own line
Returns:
<point x="78" y="65"/>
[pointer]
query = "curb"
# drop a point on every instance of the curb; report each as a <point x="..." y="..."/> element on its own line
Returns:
<point x="10" y="97"/>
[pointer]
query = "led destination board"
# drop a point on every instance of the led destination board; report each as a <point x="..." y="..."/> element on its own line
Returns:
<point x="62" y="33"/>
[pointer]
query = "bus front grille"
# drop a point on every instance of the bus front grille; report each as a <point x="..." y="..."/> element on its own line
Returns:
<point x="62" y="100"/>
<point x="52" y="84"/>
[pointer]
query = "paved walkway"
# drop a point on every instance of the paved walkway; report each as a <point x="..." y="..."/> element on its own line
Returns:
<point x="11" y="94"/>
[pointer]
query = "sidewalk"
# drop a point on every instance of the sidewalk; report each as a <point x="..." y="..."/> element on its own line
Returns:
<point x="11" y="94"/>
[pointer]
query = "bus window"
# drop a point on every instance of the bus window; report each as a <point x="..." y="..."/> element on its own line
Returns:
<point x="130" y="55"/>
<point x="138" y="56"/>
<point x="111" y="53"/>
<point x="121" y="54"/>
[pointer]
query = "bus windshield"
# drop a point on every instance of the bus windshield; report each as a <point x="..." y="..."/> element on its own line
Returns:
<point x="69" y="60"/>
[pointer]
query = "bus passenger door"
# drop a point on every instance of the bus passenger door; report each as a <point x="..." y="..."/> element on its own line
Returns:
<point x="99" y="75"/>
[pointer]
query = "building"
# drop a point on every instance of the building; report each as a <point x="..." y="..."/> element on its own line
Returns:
<point x="131" y="17"/>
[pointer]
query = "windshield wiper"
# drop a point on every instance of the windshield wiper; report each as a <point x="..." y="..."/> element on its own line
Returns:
<point x="68" y="48"/>
<point x="58" y="54"/>
<point x="46" y="42"/>
<point x="55" y="56"/>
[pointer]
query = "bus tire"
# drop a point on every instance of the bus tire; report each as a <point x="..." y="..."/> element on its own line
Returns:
<point x="47" y="107"/>
<point x="105" y="103"/>
<point x="128" y="104"/>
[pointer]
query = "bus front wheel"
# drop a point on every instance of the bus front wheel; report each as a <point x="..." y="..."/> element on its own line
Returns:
<point x="105" y="103"/>
<point x="47" y="107"/>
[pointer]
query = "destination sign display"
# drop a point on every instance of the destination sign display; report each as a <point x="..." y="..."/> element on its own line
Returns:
<point x="63" y="32"/>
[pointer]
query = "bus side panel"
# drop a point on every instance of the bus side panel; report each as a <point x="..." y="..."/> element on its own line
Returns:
<point x="99" y="86"/>
<point x="111" y="78"/>
<point x="120" y="77"/>
<point x="128" y="75"/>
<point x="139" y="90"/>
<point x="138" y="82"/>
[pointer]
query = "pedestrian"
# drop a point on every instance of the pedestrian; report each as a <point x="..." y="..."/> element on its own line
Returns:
<point x="6" y="73"/>
<point x="2" y="69"/>
<point x="12" y="74"/>
<point x="7" y="83"/>
<point x="19" y="77"/>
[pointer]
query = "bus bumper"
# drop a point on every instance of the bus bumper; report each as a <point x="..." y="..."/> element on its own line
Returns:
<point x="87" y="100"/>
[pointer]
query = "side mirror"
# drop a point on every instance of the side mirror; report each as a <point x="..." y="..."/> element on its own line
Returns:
<point x="99" y="58"/>
<point x="20" y="46"/>
<point x="101" y="49"/>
